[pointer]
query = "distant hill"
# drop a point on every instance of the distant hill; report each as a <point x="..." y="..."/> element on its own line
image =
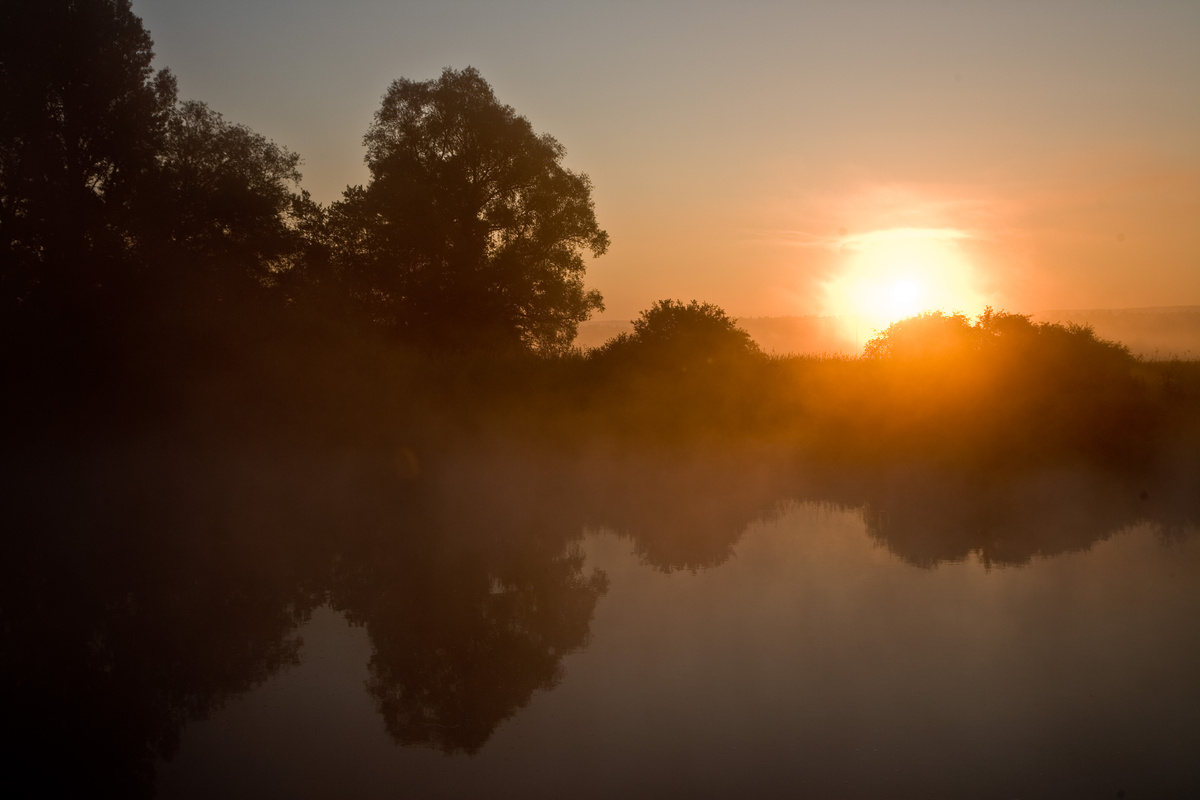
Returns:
<point x="1160" y="332"/>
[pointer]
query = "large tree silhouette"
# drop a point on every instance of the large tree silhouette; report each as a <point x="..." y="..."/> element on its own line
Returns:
<point x="81" y="120"/>
<point x="470" y="231"/>
<point x="215" y="216"/>
<point x="103" y="173"/>
<point x="133" y="226"/>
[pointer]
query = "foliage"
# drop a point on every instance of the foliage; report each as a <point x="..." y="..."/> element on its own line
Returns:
<point x="118" y="203"/>
<point x="935" y="335"/>
<point x="121" y="206"/>
<point x="1006" y="385"/>
<point x="677" y="335"/>
<point x="470" y="230"/>
<point x="219" y="203"/>
<point x="81" y="120"/>
<point x="927" y="335"/>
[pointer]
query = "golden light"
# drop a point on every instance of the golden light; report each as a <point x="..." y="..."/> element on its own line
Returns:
<point x="890" y="274"/>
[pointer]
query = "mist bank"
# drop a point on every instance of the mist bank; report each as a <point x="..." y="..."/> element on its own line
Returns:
<point x="1154" y="333"/>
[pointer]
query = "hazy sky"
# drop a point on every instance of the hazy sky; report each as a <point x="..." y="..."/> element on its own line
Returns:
<point x="782" y="158"/>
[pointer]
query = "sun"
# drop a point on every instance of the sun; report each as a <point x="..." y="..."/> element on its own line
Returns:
<point x="890" y="274"/>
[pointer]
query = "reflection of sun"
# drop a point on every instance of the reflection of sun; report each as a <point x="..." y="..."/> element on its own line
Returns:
<point x="891" y="274"/>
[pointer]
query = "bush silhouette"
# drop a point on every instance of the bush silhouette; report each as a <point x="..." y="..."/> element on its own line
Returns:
<point x="1006" y="384"/>
<point x="929" y="335"/>
<point x="935" y="335"/>
<point x="676" y="336"/>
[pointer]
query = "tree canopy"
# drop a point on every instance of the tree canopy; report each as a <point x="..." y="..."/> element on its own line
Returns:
<point x="81" y="121"/>
<point x="997" y="337"/>
<point x="677" y="334"/>
<point x="218" y="203"/>
<point x="471" y="230"/>
<point x="117" y="200"/>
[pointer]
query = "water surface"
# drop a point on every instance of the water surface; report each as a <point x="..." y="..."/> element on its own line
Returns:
<point x="813" y="661"/>
<point x="517" y="624"/>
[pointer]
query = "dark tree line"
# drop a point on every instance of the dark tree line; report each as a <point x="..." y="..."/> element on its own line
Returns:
<point x="127" y="213"/>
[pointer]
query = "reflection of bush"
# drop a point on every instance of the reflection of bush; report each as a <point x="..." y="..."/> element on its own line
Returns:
<point x="927" y="513"/>
<point x="682" y="513"/>
<point x="1003" y="519"/>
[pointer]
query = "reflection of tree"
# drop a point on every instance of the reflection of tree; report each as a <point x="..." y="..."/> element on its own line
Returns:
<point x="122" y="617"/>
<point x="472" y="588"/>
<point x="463" y="642"/>
<point x="135" y="598"/>
<point x="472" y="600"/>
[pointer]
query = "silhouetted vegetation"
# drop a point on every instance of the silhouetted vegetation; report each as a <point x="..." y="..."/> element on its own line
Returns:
<point x="671" y="336"/>
<point x="470" y="229"/>
<point x="210" y="374"/>
<point x="161" y="263"/>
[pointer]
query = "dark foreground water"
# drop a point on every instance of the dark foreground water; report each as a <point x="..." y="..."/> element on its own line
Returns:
<point x="502" y="626"/>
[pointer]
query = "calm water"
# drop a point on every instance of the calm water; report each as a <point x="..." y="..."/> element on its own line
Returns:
<point x="508" y="626"/>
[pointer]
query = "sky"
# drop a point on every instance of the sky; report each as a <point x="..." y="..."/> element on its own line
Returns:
<point x="866" y="159"/>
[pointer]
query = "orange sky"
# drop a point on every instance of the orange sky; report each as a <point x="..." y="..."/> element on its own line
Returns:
<point x="766" y="155"/>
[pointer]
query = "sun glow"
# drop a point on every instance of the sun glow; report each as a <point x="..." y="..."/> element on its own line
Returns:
<point x="890" y="274"/>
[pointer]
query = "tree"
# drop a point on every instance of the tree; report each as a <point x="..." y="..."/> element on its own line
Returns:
<point x="928" y="335"/>
<point x="81" y="119"/>
<point x="470" y="230"/>
<point x="1000" y="338"/>
<point x="126" y="216"/>
<point x="1005" y="384"/>
<point x="677" y="335"/>
<point x="216" y="212"/>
